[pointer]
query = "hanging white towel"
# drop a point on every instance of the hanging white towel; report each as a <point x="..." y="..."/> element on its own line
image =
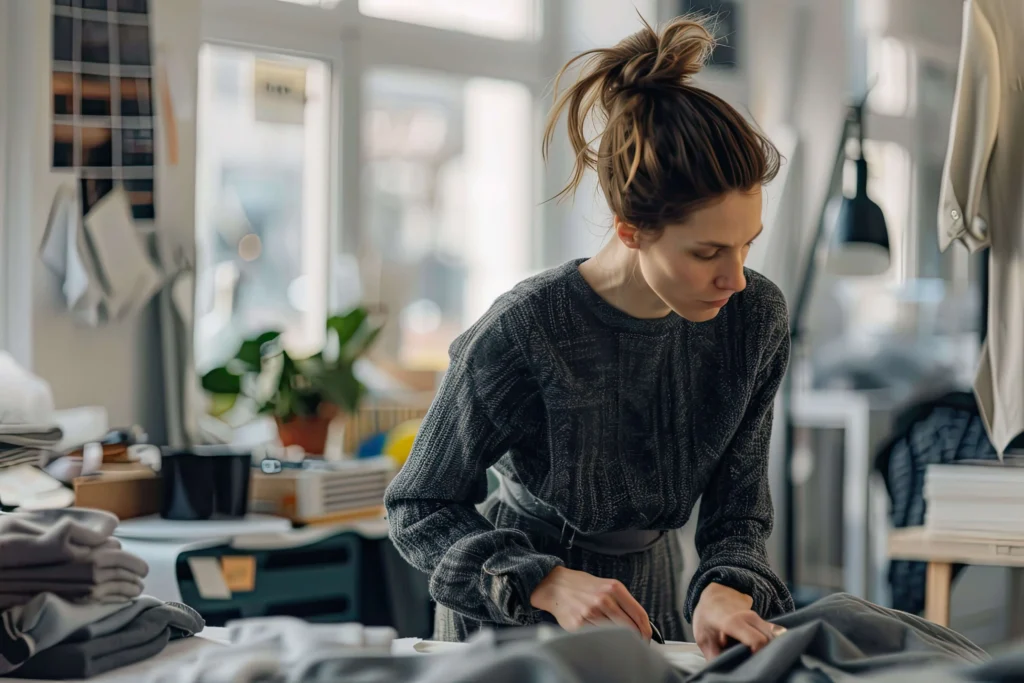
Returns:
<point x="65" y="252"/>
<point x="129" y="276"/>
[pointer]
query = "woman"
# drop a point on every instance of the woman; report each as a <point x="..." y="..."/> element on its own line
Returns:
<point x="610" y="394"/>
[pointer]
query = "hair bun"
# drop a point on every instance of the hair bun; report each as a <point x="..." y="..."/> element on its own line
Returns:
<point x="650" y="59"/>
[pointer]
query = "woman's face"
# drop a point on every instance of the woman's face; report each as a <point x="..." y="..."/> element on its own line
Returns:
<point x="696" y="266"/>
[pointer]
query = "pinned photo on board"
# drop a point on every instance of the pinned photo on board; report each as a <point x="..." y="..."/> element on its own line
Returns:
<point x="136" y="147"/>
<point x="136" y="97"/>
<point x="95" y="42"/>
<point x="133" y="42"/>
<point x="63" y="86"/>
<point x="133" y="6"/>
<point x="141" y="196"/>
<point x="63" y="146"/>
<point x="96" y="96"/>
<point x="97" y="147"/>
<point x="63" y="38"/>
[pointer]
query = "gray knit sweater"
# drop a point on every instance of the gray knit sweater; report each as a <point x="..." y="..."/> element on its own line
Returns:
<point x="620" y="424"/>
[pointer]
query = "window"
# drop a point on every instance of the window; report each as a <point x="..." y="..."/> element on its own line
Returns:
<point x="449" y="205"/>
<point x="262" y="184"/>
<point x="505" y="19"/>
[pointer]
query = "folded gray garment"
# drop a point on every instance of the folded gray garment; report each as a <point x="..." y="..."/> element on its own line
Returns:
<point x="141" y="638"/>
<point x="48" y="537"/>
<point x="23" y="455"/>
<point x="74" y="665"/>
<point x="130" y="587"/>
<point x="842" y="638"/>
<point x="604" y="655"/>
<point x="1004" y="668"/>
<point x="99" y="521"/>
<point x="46" y="620"/>
<point x="30" y="434"/>
<point x="110" y="592"/>
<point x="100" y="566"/>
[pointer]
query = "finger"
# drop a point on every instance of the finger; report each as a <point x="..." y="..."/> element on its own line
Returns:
<point x="770" y="630"/>
<point x="633" y="608"/>
<point x="617" y="616"/>
<point x="747" y="634"/>
<point x="709" y="647"/>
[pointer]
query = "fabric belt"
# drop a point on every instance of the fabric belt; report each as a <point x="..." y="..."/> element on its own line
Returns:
<point x="544" y="519"/>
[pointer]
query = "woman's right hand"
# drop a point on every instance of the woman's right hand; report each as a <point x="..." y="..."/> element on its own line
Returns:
<point x="577" y="599"/>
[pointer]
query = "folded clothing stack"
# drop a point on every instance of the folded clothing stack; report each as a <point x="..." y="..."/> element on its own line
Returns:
<point x="28" y="444"/>
<point x="70" y="598"/>
<point x="69" y="553"/>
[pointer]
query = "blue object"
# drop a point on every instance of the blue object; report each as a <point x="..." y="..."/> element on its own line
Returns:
<point x="373" y="446"/>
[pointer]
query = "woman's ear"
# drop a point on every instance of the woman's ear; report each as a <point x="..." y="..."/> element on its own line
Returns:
<point x="627" y="234"/>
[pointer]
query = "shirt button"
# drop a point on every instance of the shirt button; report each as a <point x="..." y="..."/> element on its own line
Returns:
<point x="955" y="214"/>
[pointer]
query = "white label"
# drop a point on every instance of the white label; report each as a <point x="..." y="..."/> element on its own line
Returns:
<point x="209" y="579"/>
<point x="279" y="92"/>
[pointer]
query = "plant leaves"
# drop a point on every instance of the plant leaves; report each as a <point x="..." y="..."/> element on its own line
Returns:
<point x="341" y="387"/>
<point x="251" y="351"/>
<point x="222" y="381"/>
<point x="347" y="325"/>
<point x="361" y="344"/>
<point x="222" y="403"/>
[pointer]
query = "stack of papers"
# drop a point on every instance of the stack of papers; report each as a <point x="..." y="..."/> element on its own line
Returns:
<point x="985" y="496"/>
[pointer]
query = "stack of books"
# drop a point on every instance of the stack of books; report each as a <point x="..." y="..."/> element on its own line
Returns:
<point x="976" y="496"/>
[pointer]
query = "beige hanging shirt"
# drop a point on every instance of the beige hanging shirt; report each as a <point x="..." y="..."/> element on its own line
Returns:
<point x="981" y="203"/>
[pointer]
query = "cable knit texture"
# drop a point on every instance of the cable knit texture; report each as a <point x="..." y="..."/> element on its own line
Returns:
<point x="620" y="424"/>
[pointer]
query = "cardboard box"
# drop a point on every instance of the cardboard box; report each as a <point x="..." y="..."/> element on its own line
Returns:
<point x="127" y="490"/>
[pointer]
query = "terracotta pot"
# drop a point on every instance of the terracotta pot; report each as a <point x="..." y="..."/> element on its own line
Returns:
<point x="308" y="432"/>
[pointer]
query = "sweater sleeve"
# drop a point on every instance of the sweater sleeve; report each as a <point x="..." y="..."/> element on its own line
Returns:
<point x="736" y="512"/>
<point x="481" y="410"/>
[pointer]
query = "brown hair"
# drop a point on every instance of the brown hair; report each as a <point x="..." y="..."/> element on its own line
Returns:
<point x="667" y="147"/>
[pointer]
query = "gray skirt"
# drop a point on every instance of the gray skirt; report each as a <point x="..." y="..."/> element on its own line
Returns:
<point x="653" y="577"/>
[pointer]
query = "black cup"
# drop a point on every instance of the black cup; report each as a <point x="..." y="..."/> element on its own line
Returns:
<point x="203" y="482"/>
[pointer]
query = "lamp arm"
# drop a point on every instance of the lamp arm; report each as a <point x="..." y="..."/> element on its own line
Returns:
<point x="797" y="312"/>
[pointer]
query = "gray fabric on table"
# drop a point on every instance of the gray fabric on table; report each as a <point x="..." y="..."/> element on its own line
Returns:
<point x="618" y="424"/>
<point x="111" y="591"/>
<point x="1005" y="668"/>
<point x="98" y="567"/>
<point x="607" y="655"/>
<point x="843" y="638"/>
<point x="67" y="552"/>
<point x="48" y="537"/>
<point x="88" y="653"/>
<point x="269" y="648"/>
<point x="839" y="639"/>
<point x="43" y="622"/>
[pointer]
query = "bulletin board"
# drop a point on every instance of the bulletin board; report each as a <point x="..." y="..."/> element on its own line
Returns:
<point x="103" y="99"/>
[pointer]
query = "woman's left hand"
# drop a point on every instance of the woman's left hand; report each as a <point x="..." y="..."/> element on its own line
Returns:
<point x="723" y="613"/>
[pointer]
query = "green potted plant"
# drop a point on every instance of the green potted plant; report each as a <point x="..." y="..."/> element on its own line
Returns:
<point x="303" y="394"/>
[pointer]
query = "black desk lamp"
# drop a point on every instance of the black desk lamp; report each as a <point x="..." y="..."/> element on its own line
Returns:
<point x="857" y="244"/>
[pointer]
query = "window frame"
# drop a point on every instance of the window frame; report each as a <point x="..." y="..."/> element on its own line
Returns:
<point x="352" y="45"/>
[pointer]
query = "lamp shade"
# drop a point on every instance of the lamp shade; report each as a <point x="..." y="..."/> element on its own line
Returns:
<point x="860" y="240"/>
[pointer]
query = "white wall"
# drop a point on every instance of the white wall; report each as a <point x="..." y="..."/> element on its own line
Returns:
<point x="118" y="365"/>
